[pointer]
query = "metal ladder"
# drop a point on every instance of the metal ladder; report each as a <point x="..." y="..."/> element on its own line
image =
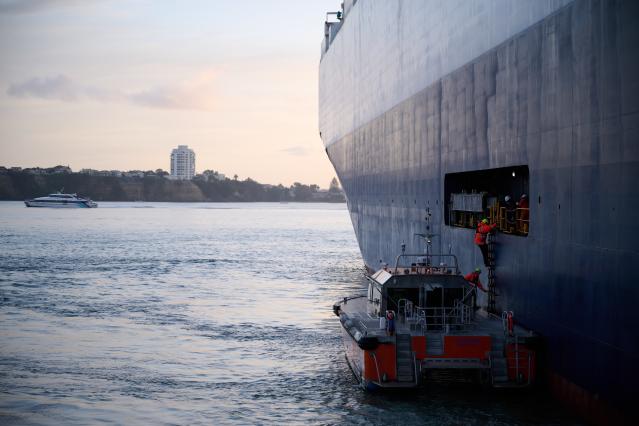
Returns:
<point x="434" y="344"/>
<point x="492" y="291"/>
<point x="405" y="366"/>
<point x="498" y="363"/>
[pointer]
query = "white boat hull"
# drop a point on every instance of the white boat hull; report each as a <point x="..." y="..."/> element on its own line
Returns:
<point x="60" y="205"/>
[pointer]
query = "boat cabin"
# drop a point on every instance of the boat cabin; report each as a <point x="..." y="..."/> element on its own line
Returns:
<point x="434" y="328"/>
<point x="424" y="297"/>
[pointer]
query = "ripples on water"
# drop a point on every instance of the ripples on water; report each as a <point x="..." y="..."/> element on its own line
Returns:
<point x="196" y="313"/>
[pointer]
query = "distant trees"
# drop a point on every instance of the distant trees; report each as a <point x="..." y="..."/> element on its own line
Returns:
<point x="136" y="185"/>
<point x="302" y="192"/>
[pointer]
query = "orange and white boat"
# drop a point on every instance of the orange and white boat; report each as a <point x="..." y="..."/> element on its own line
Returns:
<point x="438" y="331"/>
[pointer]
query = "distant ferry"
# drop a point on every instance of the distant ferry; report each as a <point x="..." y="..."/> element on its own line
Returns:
<point x="60" y="200"/>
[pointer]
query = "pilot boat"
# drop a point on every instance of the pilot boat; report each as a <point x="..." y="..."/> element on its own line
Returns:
<point x="60" y="200"/>
<point x="439" y="333"/>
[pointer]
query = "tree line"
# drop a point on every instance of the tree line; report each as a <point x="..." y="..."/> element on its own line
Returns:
<point x="20" y="185"/>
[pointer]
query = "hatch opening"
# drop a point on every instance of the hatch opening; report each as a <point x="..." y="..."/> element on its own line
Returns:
<point x="500" y="194"/>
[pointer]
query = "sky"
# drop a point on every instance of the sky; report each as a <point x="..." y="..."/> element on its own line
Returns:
<point x="108" y="84"/>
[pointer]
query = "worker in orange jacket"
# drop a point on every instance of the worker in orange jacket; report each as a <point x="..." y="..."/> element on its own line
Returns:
<point x="483" y="229"/>
<point x="473" y="279"/>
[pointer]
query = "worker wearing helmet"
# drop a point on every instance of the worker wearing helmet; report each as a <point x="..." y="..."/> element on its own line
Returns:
<point x="473" y="279"/>
<point x="483" y="229"/>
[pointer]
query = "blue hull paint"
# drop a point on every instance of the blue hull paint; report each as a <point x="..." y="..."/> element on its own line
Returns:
<point x="561" y="97"/>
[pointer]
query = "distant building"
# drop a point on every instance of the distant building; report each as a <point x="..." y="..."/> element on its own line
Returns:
<point x="182" y="163"/>
<point x="134" y="174"/>
<point x="35" y="171"/>
<point x="93" y="172"/>
<point x="59" y="170"/>
<point x="211" y="175"/>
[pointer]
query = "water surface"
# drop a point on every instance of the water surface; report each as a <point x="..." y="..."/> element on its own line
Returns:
<point x="166" y="313"/>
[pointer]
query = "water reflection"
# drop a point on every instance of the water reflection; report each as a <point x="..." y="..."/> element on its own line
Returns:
<point x="189" y="313"/>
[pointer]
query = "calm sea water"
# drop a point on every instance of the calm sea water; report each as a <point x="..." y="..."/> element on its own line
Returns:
<point x="152" y="313"/>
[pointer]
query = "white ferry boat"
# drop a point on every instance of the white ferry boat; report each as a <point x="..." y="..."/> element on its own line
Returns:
<point x="60" y="200"/>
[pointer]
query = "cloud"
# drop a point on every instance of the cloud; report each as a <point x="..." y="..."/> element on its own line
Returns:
<point x="296" y="151"/>
<point x="190" y="95"/>
<point x="31" y="6"/>
<point x="195" y="94"/>
<point x="58" y="87"/>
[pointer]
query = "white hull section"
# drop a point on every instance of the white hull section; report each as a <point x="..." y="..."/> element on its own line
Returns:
<point x="58" y="205"/>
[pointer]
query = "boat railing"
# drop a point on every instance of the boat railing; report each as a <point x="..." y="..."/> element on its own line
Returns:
<point x="446" y="318"/>
<point x="428" y="261"/>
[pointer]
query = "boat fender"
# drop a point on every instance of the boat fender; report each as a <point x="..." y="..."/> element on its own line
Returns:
<point x="367" y="343"/>
<point x="336" y="309"/>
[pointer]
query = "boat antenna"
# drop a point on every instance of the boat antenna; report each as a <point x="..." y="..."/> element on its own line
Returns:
<point x="428" y="237"/>
<point x="429" y="242"/>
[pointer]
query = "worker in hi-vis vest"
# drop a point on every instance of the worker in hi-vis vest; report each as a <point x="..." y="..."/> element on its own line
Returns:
<point x="483" y="229"/>
<point x="473" y="279"/>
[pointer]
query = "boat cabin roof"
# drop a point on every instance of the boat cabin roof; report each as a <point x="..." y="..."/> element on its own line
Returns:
<point x="415" y="270"/>
<point x="434" y="277"/>
<point x="59" y="195"/>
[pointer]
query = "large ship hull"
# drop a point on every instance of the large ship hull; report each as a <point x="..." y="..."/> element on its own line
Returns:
<point x="558" y="95"/>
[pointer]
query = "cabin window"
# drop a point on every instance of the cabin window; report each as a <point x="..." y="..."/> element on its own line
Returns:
<point x="472" y="196"/>
<point x="397" y="294"/>
<point x="439" y="297"/>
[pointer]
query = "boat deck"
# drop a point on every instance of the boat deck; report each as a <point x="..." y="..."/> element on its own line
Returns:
<point x="369" y="324"/>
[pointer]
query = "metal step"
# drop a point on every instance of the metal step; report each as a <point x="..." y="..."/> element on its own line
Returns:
<point x="500" y="372"/>
<point x="500" y="379"/>
<point x="434" y="345"/>
<point x="405" y="378"/>
<point x="499" y="362"/>
<point x="404" y="358"/>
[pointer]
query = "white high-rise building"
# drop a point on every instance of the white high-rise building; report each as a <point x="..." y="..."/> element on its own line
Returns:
<point x="182" y="163"/>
